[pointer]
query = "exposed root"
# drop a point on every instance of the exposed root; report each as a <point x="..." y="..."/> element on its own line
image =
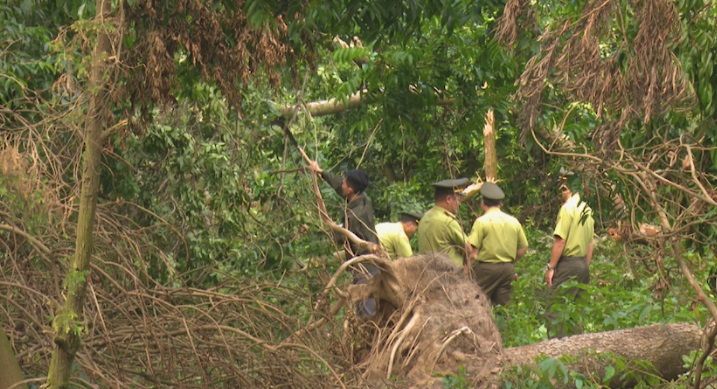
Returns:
<point x="399" y="342"/>
<point x="436" y="304"/>
<point x="453" y="335"/>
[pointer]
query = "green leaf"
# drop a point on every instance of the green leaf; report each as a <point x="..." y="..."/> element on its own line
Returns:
<point x="350" y="54"/>
<point x="609" y="373"/>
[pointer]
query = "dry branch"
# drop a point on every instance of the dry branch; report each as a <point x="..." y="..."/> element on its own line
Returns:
<point x="324" y="107"/>
<point x="337" y="105"/>
<point x="33" y="241"/>
<point x="628" y="84"/>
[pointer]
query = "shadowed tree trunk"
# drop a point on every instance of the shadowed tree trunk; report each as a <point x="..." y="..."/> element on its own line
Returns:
<point x="68" y="323"/>
<point x="10" y="373"/>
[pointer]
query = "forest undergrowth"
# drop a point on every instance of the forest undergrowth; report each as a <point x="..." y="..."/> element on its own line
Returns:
<point x="139" y="333"/>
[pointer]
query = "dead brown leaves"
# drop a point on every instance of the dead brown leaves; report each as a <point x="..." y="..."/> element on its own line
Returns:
<point x="139" y="334"/>
<point x="618" y="59"/>
<point x="220" y="42"/>
<point x="136" y="333"/>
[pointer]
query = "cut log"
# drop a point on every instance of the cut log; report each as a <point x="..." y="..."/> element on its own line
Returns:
<point x="334" y="106"/>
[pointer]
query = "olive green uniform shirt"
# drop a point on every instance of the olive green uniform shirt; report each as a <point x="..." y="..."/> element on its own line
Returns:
<point x="497" y="236"/>
<point x="440" y="232"/>
<point x="358" y="216"/>
<point x="394" y="240"/>
<point x="576" y="226"/>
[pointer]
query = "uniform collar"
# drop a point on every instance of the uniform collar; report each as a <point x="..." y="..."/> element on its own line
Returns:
<point x="574" y="199"/>
<point x="447" y="212"/>
<point x="492" y="210"/>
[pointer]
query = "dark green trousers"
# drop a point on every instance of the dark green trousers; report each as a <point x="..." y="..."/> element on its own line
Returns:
<point x="496" y="280"/>
<point x="362" y="273"/>
<point x="560" y="324"/>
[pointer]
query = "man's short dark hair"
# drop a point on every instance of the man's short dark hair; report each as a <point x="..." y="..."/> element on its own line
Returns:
<point x="408" y="218"/>
<point x="357" y="179"/>
<point x="492" y="202"/>
<point x="441" y="193"/>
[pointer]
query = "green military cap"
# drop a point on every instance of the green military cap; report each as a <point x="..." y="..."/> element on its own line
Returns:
<point x="565" y="175"/>
<point x="491" y="191"/>
<point x="567" y="178"/>
<point x="412" y="215"/>
<point x="456" y="183"/>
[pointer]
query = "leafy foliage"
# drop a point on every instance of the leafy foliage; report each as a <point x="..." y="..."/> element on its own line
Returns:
<point x="27" y="64"/>
<point x="550" y="373"/>
<point x="617" y="297"/>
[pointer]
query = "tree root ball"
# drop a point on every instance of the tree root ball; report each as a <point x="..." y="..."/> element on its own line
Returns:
<point x="435" y="321"/>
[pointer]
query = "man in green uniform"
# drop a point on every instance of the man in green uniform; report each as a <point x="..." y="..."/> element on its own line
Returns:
<point x="358" y="218"/>
<point x="570" y="256"/>
<point x="499" y="241"/>
<point x="395" y="237"/>
<point x="439" y="230"/>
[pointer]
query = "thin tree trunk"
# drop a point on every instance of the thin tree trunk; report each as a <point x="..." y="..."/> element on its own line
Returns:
<point x="68" y="322"/>
<point x="10" y="373"/>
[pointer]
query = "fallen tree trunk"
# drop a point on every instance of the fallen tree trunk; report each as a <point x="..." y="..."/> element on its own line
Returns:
<point x="439" y="321"/>
<point x="663" y="345"/>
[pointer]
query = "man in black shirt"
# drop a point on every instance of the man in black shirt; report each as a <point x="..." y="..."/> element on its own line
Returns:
<point x="358" y="218"/>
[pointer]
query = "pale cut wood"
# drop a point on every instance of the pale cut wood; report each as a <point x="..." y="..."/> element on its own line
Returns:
<point x="491" y="156"/>
<point x="334" y="106"/>
<point x="323" y="107"/>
